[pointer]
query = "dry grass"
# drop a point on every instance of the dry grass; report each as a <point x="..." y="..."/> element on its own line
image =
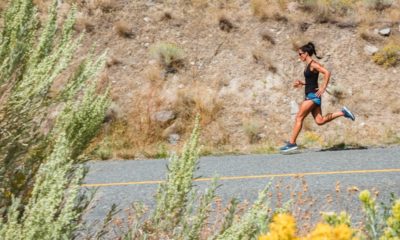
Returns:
<point x="265" y="148"/>
<point x="200" y="3"/>
<point x="267" y="36"/>
<point x="166" y="16"/>
<point x="42" y="5"/>
<point x="123" y="29"/>
<point x="337" y="92"/>
<point x="198" y="100"/>
<point x="84" y="23"/>
<point x="324" y="11"/>
<point x="169" y="56"/>
<point x="264" y="10"/>
<point x="367" y="17"/>
<point x="112" y="61"/>
<point x="378" y="5"/>
<point x="311" y="138"/>
<point x="260" y="9"/>
<point x="394" y="14"/>
<point x="225" y="24"/>
<point x="105" y="5"/>
<point x="136" y="133"/>
<point x="3" y="5"/>
<point x="366" y="34"/>
<point x="260" y="57"/>
<point x="154" y="75"/>
<point x="320" y="9"/>
<point x="252" y="129"/>
<point x="298" y="41"/>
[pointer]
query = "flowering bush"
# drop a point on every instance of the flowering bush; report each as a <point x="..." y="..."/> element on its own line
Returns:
<point x="392" y="231"/>
<point x="283" y="227"/>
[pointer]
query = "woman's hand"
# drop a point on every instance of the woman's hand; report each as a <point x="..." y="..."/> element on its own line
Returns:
<point x="320" y="92"/>
<point x="298" y="84"/>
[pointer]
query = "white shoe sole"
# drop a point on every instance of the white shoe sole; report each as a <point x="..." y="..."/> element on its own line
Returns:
<point x="352" y="117"/>
<point x="290" y="149"/>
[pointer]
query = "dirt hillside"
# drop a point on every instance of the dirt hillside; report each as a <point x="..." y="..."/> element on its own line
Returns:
<point x="234" y="62"/>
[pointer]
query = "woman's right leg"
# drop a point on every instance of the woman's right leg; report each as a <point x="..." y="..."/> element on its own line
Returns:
<point x="321" y="120"/>
<point x="306" y="107"/>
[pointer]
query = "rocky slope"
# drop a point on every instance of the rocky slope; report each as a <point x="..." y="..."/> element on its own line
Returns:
<point x="237" y="71"/>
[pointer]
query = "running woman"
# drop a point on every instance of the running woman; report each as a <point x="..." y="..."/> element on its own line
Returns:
<point x="313" y="93"/>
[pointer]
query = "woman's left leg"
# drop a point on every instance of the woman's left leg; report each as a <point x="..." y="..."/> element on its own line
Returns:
<point x="305" y="108"/>
<point x="321" y="120"/>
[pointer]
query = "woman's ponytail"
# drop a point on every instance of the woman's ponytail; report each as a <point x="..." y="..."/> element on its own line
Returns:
<point x="310" y="49"/>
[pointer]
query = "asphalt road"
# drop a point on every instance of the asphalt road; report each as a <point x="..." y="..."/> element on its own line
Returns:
<point x="332" y="179"/>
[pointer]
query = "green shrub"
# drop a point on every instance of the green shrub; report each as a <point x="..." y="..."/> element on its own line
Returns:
<point x="378" y="5"/>
<point x="169" y="55"/>
<point x="388" y="56"/>
<point x="252" y="130"/>
<point x="326" y="10"/>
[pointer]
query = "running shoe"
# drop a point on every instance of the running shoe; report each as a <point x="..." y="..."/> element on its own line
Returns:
<point x="348" y="114"/>
<point x="288" y="147"/>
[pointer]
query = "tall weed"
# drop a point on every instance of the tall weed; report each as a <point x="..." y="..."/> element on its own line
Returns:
<point x="39" y="178"/>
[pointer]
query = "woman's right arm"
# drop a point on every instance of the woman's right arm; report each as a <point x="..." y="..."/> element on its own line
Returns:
<point x="298" y="84"/>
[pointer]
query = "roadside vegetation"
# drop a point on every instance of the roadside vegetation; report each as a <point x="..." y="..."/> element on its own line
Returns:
<point x="44" y="130"/>
<point x="182" y="211"/>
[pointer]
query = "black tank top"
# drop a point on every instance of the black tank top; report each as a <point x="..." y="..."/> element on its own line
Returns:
<point x="311" y="80"/>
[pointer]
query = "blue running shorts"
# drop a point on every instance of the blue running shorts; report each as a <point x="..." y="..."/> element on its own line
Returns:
<point x="313" y="97"/>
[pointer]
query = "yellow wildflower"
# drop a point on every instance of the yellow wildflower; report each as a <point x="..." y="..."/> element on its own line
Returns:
<point x="342" y="232"/>
<point x="283" y="227"/>
<point x="396" y="210"/>
<point x="321" y="232"/>
<point x="392" y="231"/>
<point x="263" y="237"/>
<point x="365" y="196"/>
<point x="324" y="231"/>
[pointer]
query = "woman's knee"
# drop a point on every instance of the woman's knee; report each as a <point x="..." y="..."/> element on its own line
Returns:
<point x="319" y="121"/>
<point x="299" y="118"/>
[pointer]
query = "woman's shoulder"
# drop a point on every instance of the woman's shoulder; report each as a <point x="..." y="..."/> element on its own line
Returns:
<point x="315" y="65"/>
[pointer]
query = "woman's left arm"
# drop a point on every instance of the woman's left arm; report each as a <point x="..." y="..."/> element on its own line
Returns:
<point x="327" y="76"/>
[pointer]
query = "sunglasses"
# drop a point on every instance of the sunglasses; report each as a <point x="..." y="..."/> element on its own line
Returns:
<point x="301" y="53"/>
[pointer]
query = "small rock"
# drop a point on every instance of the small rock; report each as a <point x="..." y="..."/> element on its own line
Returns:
<point x="146" y="19"/>
<point x="261" y="135"/>
<point x="174" y="138"/>
<point x="370" y="49"/>
<point x="164" y="116"/>
<point x="384" y="32"/>
<point x="150" y="3"/>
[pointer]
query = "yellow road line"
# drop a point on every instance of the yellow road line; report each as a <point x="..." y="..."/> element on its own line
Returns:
<point x="249" y="177"/>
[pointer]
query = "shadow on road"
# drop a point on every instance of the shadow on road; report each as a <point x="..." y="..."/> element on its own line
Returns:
<point x="343" y="146"/>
